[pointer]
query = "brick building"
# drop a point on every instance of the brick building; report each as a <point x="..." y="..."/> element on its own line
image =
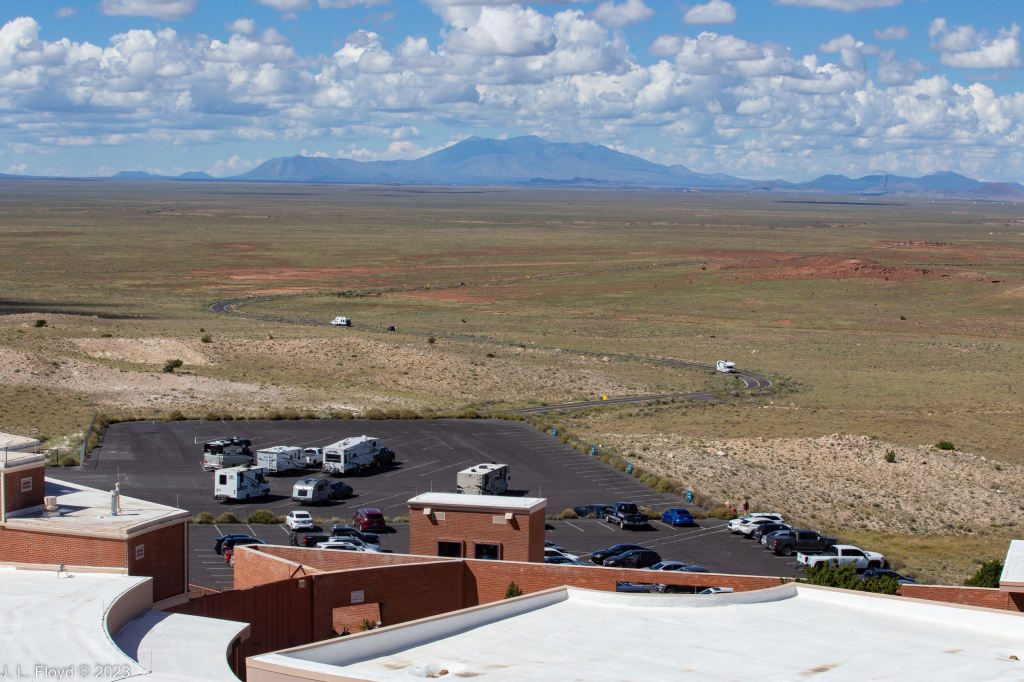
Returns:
<point x="141" y="538"/>
<point x="477" y="527"/>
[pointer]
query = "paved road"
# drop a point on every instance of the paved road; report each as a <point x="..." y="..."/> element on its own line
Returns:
<point x="162" y="463"/>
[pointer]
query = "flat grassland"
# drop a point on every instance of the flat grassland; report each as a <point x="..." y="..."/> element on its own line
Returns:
<point x="893" y="319"/>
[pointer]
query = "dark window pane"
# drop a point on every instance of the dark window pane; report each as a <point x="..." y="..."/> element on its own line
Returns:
<point x="449" y="549"/>
<point x="489" y="552"/>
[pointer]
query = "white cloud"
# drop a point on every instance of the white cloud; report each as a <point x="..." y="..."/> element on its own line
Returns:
<point x="841" y="5"/>
<point x="242" y="25"/>
<point x="892" y="33"/>
<point x="620" y="16"/>
<point x="345" y="4"/>
<point x="18" y="169"/>
<point x="236" y="165"/>
<point x="64" y="12"/>
<point x="892" y="71"/>
<point x="714" y="12"/>
<point x="287" y="5"/>
<point x="963" y="47"/>
<point x="169" y="10"/>
<point x="511" y="31"/>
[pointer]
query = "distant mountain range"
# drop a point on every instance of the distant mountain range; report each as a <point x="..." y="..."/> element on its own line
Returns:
<point x="533" y="162"/>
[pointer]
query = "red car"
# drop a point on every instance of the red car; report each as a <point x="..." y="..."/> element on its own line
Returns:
<point x="368" y="519"/>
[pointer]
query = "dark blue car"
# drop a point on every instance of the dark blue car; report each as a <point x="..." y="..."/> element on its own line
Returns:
<point x="677" y="517"/>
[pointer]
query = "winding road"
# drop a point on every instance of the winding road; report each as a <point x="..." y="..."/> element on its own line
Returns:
<point x="750" y="381"/>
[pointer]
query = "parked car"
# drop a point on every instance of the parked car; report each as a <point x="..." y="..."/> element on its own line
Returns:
<point x="235" y="539"/>
<point x="839" y="555"/>
<point x="598" y="510"/>
<point x="747" y="528"/>
<point x="626" y="515"/>
<point x="229" y="553"/>
<point x="563" y="561"/>
<point x="678" y="566"/>
<point x="346" y="544"/>
<point x="762" y="532"/>
<point x="368" y="519"/>
<point x="600" y="555"/>
<point x="551" y="551"/>
<point x="338" y="490"/>
<point x="677" y="517"/>
<point x="218" y="543"/>
<point x="369" y="539"/>
<point x="886" y="573"/>
<point x="298" y="520"/>
<point x="634" y="558"/>
<point x="734" y="524"/>
<point x="548" y="543"/>
<point x="716" y="590"/>
<point x="391" y="327"/>
<point x="789" y="542"/>
<point x="308" y="539"/>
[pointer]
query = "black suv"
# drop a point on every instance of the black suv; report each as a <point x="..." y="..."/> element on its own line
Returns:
<point x="346" y="531"/>
<point x="599" y="556"/>
<point x="789" y="542"/>
<point x="634" y="558"/>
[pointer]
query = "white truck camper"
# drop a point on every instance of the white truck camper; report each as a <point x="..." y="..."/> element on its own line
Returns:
<point x="227" y="452"/>
<point x="726" y="367"/>
<point x="240" y="483"/>
<point x="342" y="321"/>
<point x="354" y="454"/>
<point x="483" y="479"/>
<point x="280" y="458"/>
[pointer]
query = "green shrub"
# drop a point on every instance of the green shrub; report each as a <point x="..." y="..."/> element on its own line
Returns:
<point x="290" y="414"/>
<point x="400" y="519"/>
<point x="227" y="517"/>
<point x="374" y="413"/>
<point x="490" y="355"/>
<point x="987" y="575"/>
<point x="393" y="414"/>
<point x="206" y="338"/>
<point x="309" y="414"/>
<point x="619" y="464"/>
<point x="106" y="336"/>
<point x="468" y="413"/>
<point x="698" y="514"/>
<point x="272" y="415"/>
<point x="663" y="486"/>
<point x="212" y="417"/>
<point x="720" y="512"/>
<point x="226" y="416"/>
<point x="431" y="340"/>
<point x="636" y="472"/>
<point x="341" y="414"/>
<point x="68" y="461"/>
<point x="890" y="456"/>
<point x="845" y="577"/>
<point x="408" y="414"/>
<point x="365" y="625"/>
<point x="176" y="416"/>
<point x="513" y="590"/>
<point x="563" y="439"/>
<point x="172" y="365"/>
<point x="945" y="445"/>
<point x="203" y="517"/>
<point x="651" y="514"/>
<point x="262" y="516"/>
<point x="40" y="323"/>
<point x="568" y="514"/>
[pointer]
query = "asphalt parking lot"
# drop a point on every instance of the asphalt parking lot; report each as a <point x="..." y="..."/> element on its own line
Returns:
<point x="163" y="463"/>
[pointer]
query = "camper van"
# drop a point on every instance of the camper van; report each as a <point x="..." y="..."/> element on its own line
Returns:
<point x="280" y="458"/>
<point x="354" y="454"/>
<point x="240" y="483"/>
<point x="311" y="491"/>
<point x="725" y="366"/>
<point x="483" y="479"/>
<point x="227" y="452"/>
<point x="313" y="458"/>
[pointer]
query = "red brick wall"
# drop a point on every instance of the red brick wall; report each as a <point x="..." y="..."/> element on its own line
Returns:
<point x="970" y="596"/>
<point x="18" y="500"/>
<point x="260" y="568"/>
<point x="352" y="617"/>
<point x="165" y="556"/>
<point x="333" y="560"/>
<point x="521" y="539"/>
<point x="33" y="547"/>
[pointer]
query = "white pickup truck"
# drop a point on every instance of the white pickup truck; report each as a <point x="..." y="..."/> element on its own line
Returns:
<point x="839" y="555"/>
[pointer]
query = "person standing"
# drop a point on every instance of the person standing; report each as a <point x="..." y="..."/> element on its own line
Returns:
<point x="746" y="506"/>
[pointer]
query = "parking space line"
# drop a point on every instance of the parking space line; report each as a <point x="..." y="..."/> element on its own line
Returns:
<point x="433" y="461"/>
<point x="568" y="523"/>
<point x="446" y="467"/>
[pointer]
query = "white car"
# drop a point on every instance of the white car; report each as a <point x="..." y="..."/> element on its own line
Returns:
<point x="298" y="520"/>
<point x="772" y="516"/>
<point x="345" y="545"/>
<point x="747" y="528"/>
<point x="551" y="551"/>
<point x="352" y="540"/>
<point x="843" y="554"/>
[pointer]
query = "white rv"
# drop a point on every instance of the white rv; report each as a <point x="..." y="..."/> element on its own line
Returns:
<point x="354" y="454"/>
<point x="227" y="452"/>
<point x="240" y="483"/>
<point x="726" y="366"/>
<point x="483" y="479"/>
<point x="280" y="458"/>
<point x="311" y="491"/>
<point x="342" y="321"/>
<point x="313" y="458"/>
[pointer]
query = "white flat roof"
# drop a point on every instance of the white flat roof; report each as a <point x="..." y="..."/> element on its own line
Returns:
<point x="841" y="635"/>
<point x="87" y="510"/>
<point x="479" y="503"/>
<point x="1012" y="578"/>
<point x="12" y="442"/>
<point x="181" y="645"/>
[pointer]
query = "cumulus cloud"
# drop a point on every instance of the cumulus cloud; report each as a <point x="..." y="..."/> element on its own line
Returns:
<point x="64" y="12"/>
<point x="620" y="16"/>
<point x="892" y="33"/>
<point x="287" y="5"/>
<point x="235" y="165"/>
<point x="512" y="31"/>
<point x="963" y="47"/>
<point x="841" y="5"/>
<point x="169" y="10"/>
<point x="892" y="71"/>
<point x="345" y="4"/>
<point x="714" y="12"/>
<point x="244" y="26"/>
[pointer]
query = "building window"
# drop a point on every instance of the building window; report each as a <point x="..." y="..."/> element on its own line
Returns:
<point x="489" y="552"/>
<point x="449" y="549"/>
<point x="26" y="485"/>
<point x="140" y="552"/>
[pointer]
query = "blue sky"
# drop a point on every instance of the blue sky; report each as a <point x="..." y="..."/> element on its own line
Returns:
<point x="755" y="88"/>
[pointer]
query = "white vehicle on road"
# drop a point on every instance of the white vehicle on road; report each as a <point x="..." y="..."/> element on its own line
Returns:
<point x="774" y="517"/>
<point x="298" y="520"/>
<point x="725" y="366"/>
<point x="839" y="555"/>
<point x="342" y="321"/>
